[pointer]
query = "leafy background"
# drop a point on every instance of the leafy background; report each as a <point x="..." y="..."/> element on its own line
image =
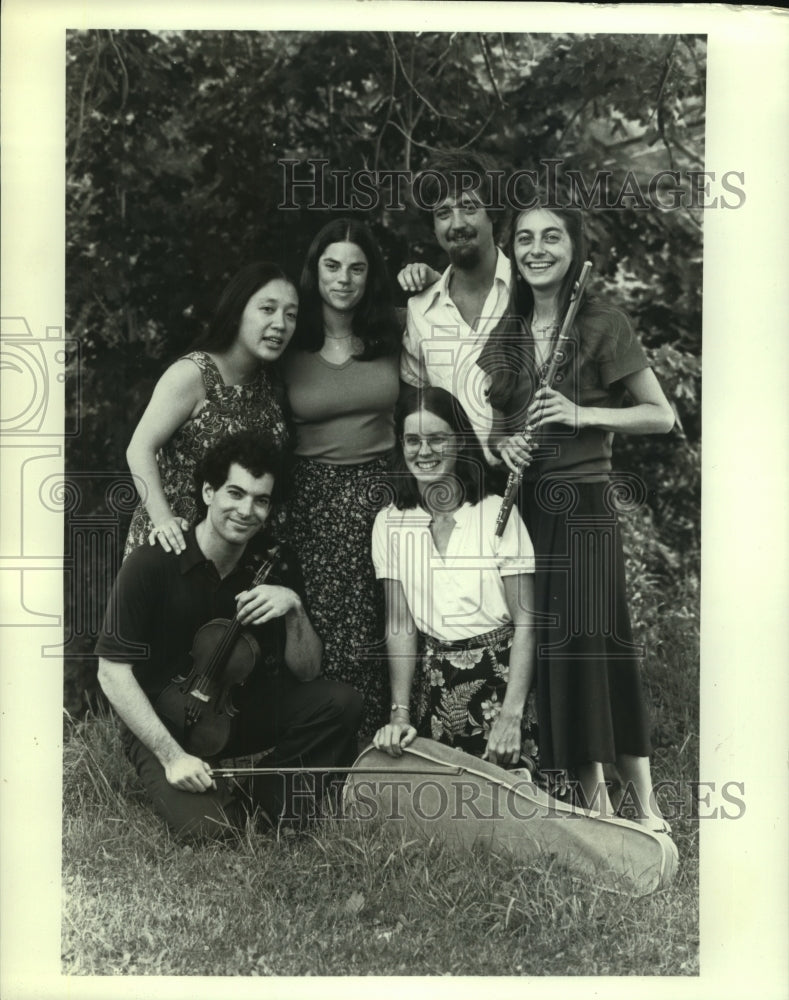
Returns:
<point x="173" y="142"/>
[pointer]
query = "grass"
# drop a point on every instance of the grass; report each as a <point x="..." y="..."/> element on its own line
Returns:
<point x="347" y="899"/>
<point x="356" y="899"/>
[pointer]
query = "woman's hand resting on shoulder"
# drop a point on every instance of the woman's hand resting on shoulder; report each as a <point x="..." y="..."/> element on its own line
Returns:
<point x="170" y="534"/>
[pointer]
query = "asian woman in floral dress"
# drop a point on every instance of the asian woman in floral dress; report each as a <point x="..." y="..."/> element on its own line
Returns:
<point x="227" y="384"/>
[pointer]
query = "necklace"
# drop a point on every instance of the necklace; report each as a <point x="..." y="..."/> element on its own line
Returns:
<point x="337" y="345"/>
<point x="543" y="334"/>
<point x="337" y="350"/>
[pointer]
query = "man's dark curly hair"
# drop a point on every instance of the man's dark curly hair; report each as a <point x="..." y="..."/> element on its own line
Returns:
<point x="255" y="451"/>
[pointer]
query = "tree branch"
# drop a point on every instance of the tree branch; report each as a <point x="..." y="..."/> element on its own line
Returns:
<point x="567" y="127"/>
<point x="411" y="83"/>
<point x="81" y="106"/>
<point x="484" y="47"/>
<point x="479" y="131"/>
<point x="440" y="58"/>
<point x="664" y="77"/>
<point x="387" y="120"/>
<point x="125" y="85"/>
<point x="415" y="142"/>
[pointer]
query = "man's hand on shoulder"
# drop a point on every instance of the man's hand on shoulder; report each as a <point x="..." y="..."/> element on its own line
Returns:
<point x="416" y="277"/>
<point x="264" y="603"/>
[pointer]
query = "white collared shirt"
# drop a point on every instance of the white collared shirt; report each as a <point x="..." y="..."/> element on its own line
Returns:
<point x="441" y="349"/>
<point x="461" y="594"/>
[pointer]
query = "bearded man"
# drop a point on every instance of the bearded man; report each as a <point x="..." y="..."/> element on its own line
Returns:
<point x="448" y="323"/>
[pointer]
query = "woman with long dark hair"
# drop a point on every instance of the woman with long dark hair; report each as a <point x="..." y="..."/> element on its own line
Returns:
<point x="226" y="384"/>
<point x="342" y="381"/>
<point x="459" y="631"/>
<point x="591" y="706"/>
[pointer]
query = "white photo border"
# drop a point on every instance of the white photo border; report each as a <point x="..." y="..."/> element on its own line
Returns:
<point x="744" y="694"/>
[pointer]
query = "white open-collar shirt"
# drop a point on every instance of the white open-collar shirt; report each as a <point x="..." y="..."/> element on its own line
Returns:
<point x="460" y="595"/>
<point x="441" y="349"/>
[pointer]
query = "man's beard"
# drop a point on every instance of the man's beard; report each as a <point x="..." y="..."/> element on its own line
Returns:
<point x="465" y="256"/>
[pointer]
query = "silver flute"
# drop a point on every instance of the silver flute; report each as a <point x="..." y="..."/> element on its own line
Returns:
<point x="557" y="357"/>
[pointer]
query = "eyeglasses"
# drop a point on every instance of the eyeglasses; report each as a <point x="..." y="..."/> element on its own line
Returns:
<point x="412" y="443"/>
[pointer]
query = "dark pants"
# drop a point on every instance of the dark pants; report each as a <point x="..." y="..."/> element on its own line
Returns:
<point x="313" y="723"/>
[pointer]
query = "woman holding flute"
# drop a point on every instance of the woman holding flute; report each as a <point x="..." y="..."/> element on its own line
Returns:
<point x="591" y="708"/>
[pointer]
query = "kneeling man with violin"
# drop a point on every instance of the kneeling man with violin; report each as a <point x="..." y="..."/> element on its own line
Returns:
<point x="203" y="661"/>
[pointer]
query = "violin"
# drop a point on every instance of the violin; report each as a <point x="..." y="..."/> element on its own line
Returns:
<point x="198" y="706"/>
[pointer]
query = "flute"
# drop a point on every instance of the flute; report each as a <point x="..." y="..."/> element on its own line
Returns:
<point x="557" y="357"/>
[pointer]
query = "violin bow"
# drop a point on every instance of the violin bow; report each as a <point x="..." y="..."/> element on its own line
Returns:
<point x="445" y="769"/>
<point x="237" y="772"/>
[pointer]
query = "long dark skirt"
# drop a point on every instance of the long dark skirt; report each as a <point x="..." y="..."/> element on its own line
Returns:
<point x="461" y="689"/>
<point x="330" y="522"/>
<point x="590" y="700"/>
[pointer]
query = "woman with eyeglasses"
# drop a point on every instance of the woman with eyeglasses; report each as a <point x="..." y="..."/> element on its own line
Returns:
<point x="459" y="633"/>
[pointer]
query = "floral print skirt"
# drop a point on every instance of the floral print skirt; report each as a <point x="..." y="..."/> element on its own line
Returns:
<point x="461" y="689"/>
<point x="330" y="523"/>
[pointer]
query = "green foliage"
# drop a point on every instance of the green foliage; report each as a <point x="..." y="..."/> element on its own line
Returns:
<point x="174" y="141"/>
<point x="173" y="181"/>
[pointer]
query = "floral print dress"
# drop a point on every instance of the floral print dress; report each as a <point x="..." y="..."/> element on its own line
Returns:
<point x="227" y="409"/>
